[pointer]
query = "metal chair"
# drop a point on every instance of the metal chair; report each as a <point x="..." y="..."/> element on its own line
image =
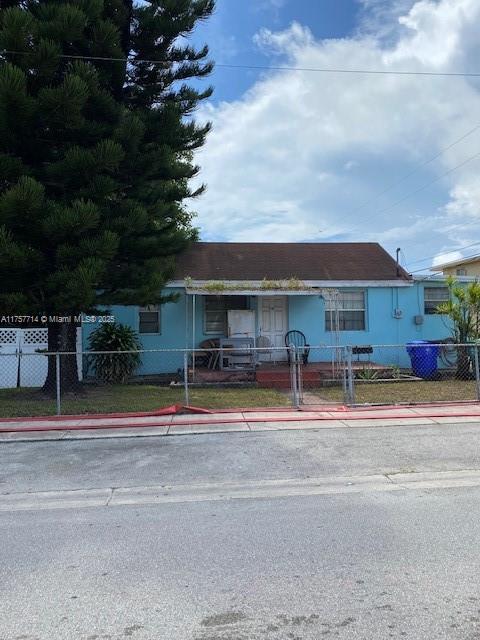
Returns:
<point x="297" y="339"/>
<point x="207" y="354"/>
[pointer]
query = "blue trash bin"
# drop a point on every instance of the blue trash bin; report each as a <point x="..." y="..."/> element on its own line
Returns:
<point x="423" y="357"/>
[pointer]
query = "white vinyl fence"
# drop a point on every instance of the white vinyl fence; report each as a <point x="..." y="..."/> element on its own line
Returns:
<point x="31" y="371"/>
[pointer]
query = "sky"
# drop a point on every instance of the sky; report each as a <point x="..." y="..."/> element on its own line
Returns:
<point x="304" y="156"/>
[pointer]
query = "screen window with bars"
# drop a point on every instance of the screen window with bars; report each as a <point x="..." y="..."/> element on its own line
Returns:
<point x="434" y="296"/>
<point x="149" y="319"/>
<point x="351" y="311"/>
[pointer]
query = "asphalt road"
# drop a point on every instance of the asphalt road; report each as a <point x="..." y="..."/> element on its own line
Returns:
<point x="124" y="462"/>
<point x="368" y="565"/>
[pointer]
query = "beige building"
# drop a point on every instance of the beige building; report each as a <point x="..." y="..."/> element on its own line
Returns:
<point x="469" y="267"/>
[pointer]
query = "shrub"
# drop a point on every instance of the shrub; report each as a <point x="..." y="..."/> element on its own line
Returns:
<point x="114" y="367"/>
<point x="367" y="373"/>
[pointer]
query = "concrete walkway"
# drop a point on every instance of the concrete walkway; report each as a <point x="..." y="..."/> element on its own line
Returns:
<point x="76" y="427"/>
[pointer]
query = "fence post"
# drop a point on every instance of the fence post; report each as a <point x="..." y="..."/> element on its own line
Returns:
<point x="477" y="371"/>
<point x="57" y="380"/>
<point x="350" y="399"/>
<point x="293" y="375"/>
<point x="299" y="374"/>
<point x="344" y="375"/>
<point x="185" y="376"/>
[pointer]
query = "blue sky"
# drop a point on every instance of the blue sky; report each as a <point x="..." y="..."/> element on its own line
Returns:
<point x="301" y="156"/>
<point x="231" y="30"/>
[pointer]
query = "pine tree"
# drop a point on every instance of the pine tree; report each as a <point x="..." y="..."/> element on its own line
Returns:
<point x="96" y="154"/>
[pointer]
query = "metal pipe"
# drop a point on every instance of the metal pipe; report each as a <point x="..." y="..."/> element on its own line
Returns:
<point x="57" y="380"/>
<point x="185" y="377"/>
<point x="477" y="371"/>
<point x="194" y="312"/>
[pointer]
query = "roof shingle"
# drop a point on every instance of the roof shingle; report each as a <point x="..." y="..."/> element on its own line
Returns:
<point x="279" y="261"/>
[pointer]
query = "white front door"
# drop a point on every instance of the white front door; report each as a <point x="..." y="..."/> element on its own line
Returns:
<point x="274" y="326"/>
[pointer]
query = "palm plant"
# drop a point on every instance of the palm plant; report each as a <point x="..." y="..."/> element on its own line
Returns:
<point x="108" y="366"/>
<point x="463" y="310"/>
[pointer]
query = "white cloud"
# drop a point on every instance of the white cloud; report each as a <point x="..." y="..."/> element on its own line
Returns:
<point x="444" y="258"/>
<point x="278" y="162"/>
<point x="350" y="164"/>
<point x="465" y="199"/>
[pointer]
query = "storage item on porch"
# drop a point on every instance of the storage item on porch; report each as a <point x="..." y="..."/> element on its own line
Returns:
<point x="237" y="353"/>
<point x="241" y="323"/>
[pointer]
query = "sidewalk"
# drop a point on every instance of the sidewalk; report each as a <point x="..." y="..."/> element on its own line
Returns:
<point x="128" y="426"/>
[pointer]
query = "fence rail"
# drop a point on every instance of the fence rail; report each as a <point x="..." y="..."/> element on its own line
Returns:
<point x="235" y="376"/>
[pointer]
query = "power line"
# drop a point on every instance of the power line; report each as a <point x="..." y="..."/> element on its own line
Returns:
<point x="468" y="246"/>
<point x="463" y="258"/>
<point x="424" y="186"/>
<point x="411" y="173"/>
<point x="259" y="67"/>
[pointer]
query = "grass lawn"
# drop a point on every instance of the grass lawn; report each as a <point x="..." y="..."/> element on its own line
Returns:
<point x="119" y="398"/>
<point x="415" y="391"/>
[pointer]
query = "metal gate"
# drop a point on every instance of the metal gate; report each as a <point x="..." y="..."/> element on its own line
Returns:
<point x="321" y="376"/>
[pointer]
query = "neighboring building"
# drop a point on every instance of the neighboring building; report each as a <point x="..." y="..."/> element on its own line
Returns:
<point x="335" y="293"/>
<point x="463" y="267"/>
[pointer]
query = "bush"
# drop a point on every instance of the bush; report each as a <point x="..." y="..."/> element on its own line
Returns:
<point x="114" y="367"/>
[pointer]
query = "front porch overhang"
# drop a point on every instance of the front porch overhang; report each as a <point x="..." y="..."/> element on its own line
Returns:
<point x="252" y="292"/>
<point x="280" y="287"/>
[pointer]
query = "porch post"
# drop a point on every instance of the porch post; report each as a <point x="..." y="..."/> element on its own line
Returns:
<point x="187" y="321"/>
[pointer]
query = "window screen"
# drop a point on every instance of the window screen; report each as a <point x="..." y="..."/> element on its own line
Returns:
<point x="216" y="308"/>
<point x="149" y="319"/>
<point x="433" y="297"/>
<point x="351" y="311"/>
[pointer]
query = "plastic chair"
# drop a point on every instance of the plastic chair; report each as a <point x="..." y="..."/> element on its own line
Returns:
<point x="297" y="339"/>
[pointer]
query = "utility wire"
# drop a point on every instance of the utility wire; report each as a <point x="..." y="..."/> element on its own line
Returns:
<point x="319" y="70"/>
<point x="269" y="68"/>
<point x="411" y="173"/>
<point x="423" y="187"/>
<point x="468" y="246"/>
<point x="463" y="258"/>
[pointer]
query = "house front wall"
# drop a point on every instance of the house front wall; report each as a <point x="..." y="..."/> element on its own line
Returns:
<point x="393" y="316"/>
<point x="383" y="325"/>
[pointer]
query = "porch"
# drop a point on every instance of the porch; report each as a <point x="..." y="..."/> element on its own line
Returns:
<point x="260" y="317"/>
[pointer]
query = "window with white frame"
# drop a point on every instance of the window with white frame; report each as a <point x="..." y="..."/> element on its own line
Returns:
<point x="149" y="319"/>
<point x="351" y="311"/>
<point x="216" y="307"/>
<point x="461" y="272"/>
<point x="433" y="296"/>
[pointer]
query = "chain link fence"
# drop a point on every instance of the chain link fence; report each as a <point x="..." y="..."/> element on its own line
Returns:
<point x="414" y="373"/>
<point x="236" y="376"/>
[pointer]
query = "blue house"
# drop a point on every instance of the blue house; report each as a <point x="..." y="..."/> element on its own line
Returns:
<point x="335" y="293"/>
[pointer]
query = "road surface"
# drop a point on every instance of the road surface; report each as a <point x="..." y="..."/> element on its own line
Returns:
<point x="386" y="554"/>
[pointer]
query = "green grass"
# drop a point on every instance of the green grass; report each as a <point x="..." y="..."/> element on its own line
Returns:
<point x="125" y="398"/>
<point x="394" y="392"/>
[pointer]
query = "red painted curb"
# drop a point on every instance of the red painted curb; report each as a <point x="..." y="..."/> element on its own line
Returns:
<point x="87" y="427"/>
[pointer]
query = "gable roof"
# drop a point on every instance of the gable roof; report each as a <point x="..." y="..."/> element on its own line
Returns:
<point x="317" y="261"/>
